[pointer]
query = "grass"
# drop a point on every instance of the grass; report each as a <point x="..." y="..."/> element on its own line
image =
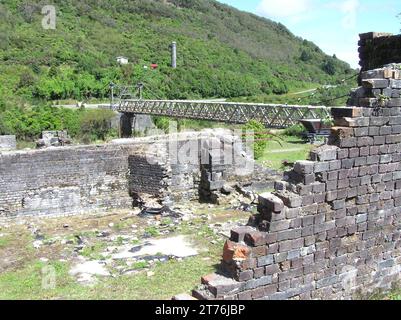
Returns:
<point x="394" y="294"/>
<point x="24" y="280"/>
<point x="21" y="145"/>
<point x="290" y="149"/>
<point x="26" y="283"/>
<point x="4" y="242"/>
<point x="94" y="252"/>
<point x="152" y="231"/>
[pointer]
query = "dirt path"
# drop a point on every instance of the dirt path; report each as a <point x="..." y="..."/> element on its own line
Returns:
<point x="286" y="150"/>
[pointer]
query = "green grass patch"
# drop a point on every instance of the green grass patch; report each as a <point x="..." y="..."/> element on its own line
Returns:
<point x="27" y="283"/>
<point x="291" y="149"/>
<point x="94" y="251"/>
<point x="170" y="278"/>
<point x="140" y="265"/>
<point x="4" y="241"/>
<point x="152" y="231"/>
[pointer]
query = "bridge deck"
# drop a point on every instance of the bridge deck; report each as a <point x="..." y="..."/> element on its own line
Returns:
<point x="272" y="115"/>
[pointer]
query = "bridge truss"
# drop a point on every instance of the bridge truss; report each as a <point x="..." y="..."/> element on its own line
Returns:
<point x="273" y="116"/>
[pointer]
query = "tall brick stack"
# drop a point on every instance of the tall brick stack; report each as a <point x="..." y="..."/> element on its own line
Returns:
<point x="331" y="230"/>
<point x="377" y="49"/>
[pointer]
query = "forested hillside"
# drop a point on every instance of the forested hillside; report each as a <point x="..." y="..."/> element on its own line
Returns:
<point x="222" y="52"/>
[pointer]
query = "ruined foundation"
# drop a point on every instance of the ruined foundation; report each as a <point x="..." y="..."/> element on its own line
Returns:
<point x="332" y="228"/>
<point x="8" y="143"/>
<point x="88" y="179"/>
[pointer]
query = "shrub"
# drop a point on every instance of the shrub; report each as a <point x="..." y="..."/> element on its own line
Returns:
<point x="162" y="123"/>
<point x="329" y="67"/>
<point x="28" y="123"/>
<point x="297" y="130"/>
<point x="260" y="134"/>
<point x="95" y="124"/>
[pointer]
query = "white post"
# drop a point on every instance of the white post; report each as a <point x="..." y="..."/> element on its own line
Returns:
<point x="174" y="55"/>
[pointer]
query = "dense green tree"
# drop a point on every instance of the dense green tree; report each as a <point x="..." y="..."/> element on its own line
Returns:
<point x="222" y="52"/>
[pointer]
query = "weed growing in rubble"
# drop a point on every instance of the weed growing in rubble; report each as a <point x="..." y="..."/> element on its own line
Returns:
<point x="152" y="231"/>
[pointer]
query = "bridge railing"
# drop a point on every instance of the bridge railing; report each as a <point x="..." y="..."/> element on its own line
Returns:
<point x="272" y="115"/>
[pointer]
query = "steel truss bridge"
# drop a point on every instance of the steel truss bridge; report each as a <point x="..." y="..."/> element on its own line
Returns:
<point x="272" y="115"/>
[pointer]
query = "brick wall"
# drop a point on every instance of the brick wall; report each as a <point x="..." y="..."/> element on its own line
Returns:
<point x="331" y="230"/>
<point x="378" y="49"/>
<point x="8" y="143"/>
<point x="72" y="180"/>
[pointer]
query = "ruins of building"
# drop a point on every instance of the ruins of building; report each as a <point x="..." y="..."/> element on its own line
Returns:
<point x="53" y="139"/>
<point x="332" y="228"/>
<point x="8" y="142"/>
<point x="86" y="179"/>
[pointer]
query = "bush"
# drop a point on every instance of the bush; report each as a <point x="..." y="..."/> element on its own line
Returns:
<point x="162" y="123"/>
<point x="28" y="123"/>
<point x="260" y="134"/>
<point x="4" y="130"/>
<point x="297" y="130"/>
<point x="95" y="124"/>
<point x="329" y="67"/>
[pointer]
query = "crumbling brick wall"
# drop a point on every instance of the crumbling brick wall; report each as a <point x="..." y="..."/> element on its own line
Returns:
<point x="84" y="179"/>
<point x="8" y="143"/>
<point x="378" y="49"/>
<point x="331" y="230"/>
<point x="74" y="180"/>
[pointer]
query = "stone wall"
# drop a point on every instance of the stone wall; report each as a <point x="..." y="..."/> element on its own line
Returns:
<point x="8" y="143"/>
<point x="72" y="180"/>
<point x="378" y="49"/>
<point x="332" y="228"/>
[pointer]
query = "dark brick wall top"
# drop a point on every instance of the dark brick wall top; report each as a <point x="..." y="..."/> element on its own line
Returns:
<point x="379" y="49"/>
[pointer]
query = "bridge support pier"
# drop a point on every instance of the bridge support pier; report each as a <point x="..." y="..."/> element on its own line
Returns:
<point x="126" y="120"/>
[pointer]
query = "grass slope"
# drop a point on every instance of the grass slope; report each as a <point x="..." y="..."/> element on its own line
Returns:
<point x="222" y="52"/>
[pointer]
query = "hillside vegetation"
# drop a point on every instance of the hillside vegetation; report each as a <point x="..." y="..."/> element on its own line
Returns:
<point x="222" y="52"/>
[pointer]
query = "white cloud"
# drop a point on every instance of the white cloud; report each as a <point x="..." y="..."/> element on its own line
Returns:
<point x="293" y="9"/>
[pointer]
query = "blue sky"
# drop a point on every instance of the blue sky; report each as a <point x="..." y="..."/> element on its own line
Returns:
<point x="334" y="25"/>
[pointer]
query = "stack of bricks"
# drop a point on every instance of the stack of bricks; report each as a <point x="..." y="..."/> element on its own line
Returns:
<point x="212" y="175"/>
<point x="331" y="230"/>
<point x="377" y="49"/>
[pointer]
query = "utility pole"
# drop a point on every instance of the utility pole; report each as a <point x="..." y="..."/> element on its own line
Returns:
<point x="140" y="88"/>
<point x="174" y="55"/>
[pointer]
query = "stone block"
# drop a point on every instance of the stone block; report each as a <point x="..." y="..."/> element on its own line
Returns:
<point x="235" y="251"/>
<point x="377" y="83"/>
<point x="395" y="84"/>
<point x="265" y="261"/>
<point x="271" y="202"/>
<point x="290" y="199"/>
<point x="279" y="225"/>
<point x="8" y="142"/>
<point x="342" y="154"/>
<point x="220" y="285"/>
<point x="304" y="167"/>
<point x="346" y="112"/>
<point x="238" y="234"/>
<point x="324" y="153"/>
<point x="255" y="238"/>
<point x="373" y="74"/>
<point x="361" y="132"/>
